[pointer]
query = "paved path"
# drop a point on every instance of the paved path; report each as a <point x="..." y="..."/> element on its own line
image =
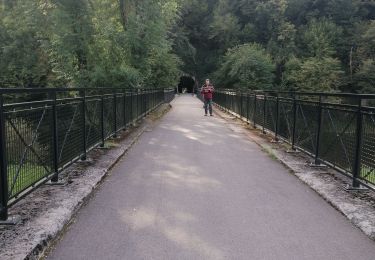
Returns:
<point x="194" y="189"/>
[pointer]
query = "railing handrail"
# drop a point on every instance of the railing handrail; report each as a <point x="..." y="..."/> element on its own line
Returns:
<point x="41" y="90"/>
<point x="301" y="93"/>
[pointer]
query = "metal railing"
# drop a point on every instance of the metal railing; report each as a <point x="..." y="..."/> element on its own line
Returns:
<point x="42" y="131"/>
<point x="337" y="130"/>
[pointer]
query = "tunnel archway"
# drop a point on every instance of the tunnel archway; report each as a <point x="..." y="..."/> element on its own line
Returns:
<point x="187" y="84"/>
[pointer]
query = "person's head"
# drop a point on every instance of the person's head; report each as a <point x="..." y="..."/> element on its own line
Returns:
<point x="207" y="81"/>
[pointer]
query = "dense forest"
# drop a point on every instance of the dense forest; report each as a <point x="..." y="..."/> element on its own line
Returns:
<point x="88" y="43"/>
<point x="309" y="45"/>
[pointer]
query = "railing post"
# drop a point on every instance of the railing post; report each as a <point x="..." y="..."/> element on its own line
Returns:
<point x="277" y="117"/>
<point x="264" y="113"/>
<point x="358" y="148"/>
<point x="55" y="178"/>
<point x="114" y="115"/>
<point x="102" y="121"/>
<point x="84" y="156"/>
<point x="255" y="110"/>
<point x="3" y="165"/>
<point x="320" y="119"/>
<point x="294" y="122"/>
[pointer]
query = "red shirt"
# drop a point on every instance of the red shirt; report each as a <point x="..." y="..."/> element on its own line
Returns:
<point x="207" y="91"/>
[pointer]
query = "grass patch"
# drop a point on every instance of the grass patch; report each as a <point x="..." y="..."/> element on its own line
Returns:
<point x="28" y="175"/>
<point x="269" y="151"/>
<point x="368" y="174"/>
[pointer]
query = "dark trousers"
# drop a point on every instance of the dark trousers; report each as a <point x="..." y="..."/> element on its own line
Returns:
<point x="208" y="105"/>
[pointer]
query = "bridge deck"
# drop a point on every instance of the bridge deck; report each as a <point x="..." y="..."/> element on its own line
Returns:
<point x="194" y="189"/>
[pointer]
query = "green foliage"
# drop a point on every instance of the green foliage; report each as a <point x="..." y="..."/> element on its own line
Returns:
<point x="313" y="74"/>
<point x="133" y="43"/>
<point x="320" y="37"/>
<point x="365" y="76"/>
<point x="23" y="56"/>
<point x="247" y="66"/>
<point x="337" y="33"/>
<point x="88" y="43"/>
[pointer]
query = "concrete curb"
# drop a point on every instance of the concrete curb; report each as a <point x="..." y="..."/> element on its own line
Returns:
<point x="357" y="207"/>
<point x="49" y="210"/>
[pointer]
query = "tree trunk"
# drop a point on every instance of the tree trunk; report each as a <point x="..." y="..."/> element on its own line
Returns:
<point x="126" y="7"/>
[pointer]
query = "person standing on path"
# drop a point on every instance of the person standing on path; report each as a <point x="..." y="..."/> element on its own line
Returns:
<point x="207" y="92"/>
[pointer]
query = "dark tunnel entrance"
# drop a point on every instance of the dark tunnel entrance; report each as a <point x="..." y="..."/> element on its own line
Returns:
<point x="186" y="84"/>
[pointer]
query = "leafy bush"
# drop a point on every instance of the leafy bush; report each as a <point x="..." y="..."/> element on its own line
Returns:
<point x="247" y="66"/>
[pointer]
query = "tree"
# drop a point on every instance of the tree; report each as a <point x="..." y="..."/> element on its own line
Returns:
<point x="247" y="66"/>
<point x="320" y="38"/>
<point x="24" y="61"/>
<point x="313" y="74"/>
<point x="90" y="43"/>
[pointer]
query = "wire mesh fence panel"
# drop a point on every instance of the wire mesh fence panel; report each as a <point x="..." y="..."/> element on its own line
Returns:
<point x="237" y="104"/>
<point x="134" y="106"/>
<point x="147" y="100"/>
<point x="233" y="102"/>
<point x="144" y="101"/>
<point x="69" y="131"/>
<point x="168" y="96"/>
<point x="306" y="126"/>
<point x="109" y="116"/>
<point x="137" y="106"/>
<point x="338" y="138"/>
<point x="251" y="107"/>
<point x="271" y="114"/>
<point x="243" y="105"/>
<point x="29" y="148"/>
<point x="140" y="104"/>
<point x="120" y="112"/>
<point x="259" y="112"/>
<point x="93" y="125"/>
<point x="150" y="101"/>
<point x="128" y="108"/>
<point x="286" y="119"/>
<point x="368" y="148"/>
<point x="230" y="102"/>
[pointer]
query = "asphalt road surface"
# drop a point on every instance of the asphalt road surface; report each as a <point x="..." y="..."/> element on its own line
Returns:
<point x="193" y="189"/>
